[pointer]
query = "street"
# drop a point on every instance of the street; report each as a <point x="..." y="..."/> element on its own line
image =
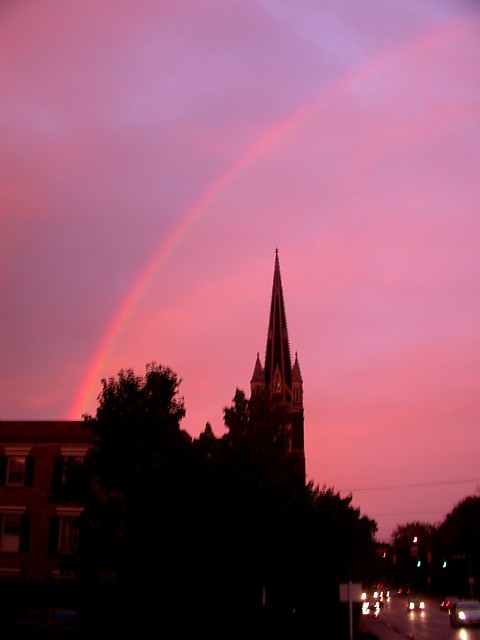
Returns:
<point x="396" y="623"/>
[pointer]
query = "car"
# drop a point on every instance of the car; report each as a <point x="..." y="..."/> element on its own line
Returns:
<point x="371" y="593"/>
<point x="465" y="613"/>
<point x="448" y="602"/>
<point x="415" y="603"/>
<point x="380" y="593"/>
<point x="57" y="622"/>
<point x="403" y="590"/>
<point x="371" y="607"/>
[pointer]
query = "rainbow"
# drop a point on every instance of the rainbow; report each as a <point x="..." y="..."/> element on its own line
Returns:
<point x="266" y="143"/>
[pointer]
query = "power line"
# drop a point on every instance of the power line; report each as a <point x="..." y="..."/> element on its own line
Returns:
<point x="410" y="486"/>
<point x="408" y="513"/>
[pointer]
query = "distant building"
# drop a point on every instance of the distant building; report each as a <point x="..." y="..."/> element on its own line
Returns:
<point x="36" y="536"/>
<point x="282" y="381"/>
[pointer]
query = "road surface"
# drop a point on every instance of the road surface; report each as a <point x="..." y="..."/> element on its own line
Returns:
<point x="394" y="622"/>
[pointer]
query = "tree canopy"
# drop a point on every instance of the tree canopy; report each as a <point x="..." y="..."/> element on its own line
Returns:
<point x="440" y="557"/>
<point x="136" y="468"/>
<point x="220" y="522"/>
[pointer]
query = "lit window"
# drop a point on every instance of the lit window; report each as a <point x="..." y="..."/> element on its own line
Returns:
<point x="10" y="533"/>
<point x="16" y="470"/>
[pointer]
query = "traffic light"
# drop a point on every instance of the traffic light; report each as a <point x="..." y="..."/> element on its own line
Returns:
<point x="419" y="563"/>
<point x="444" y="565"/>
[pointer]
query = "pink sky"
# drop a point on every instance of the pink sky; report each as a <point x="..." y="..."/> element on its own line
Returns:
<point x="155" y="154"/>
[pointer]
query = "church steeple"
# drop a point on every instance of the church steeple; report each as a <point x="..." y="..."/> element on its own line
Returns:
<point x="278" y="366"/>
<point x="258" y="379"/>
<point x="282" y="382"/>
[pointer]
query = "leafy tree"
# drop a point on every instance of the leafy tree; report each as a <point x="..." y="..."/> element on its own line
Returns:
<point x="327" y="542"/>
<point x="256" y="432"/>
<point x="135" y="520"/>
<point x="414" y="544"/>
<point x="414" y="534"/>
<point x="238" y="488"/>
<point x="210" y="525"/>
<point x="459" y="545"/>
<point x="461" y="528"/>
<point x="293" y="543"/>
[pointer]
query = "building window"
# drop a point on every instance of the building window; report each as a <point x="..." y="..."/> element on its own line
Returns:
<point x="68" y="474"/>
<point x="10" y="534"/>
<point x="67" y="536"/>
<point x="65" y="467"/>
<point x="64" y="532"/>
<point x="70" y="482"/>
<point x="16" y="470"/>
<point x="14" y="530"/>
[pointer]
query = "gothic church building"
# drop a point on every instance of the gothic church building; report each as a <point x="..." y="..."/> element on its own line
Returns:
<point x="282" y="381"/>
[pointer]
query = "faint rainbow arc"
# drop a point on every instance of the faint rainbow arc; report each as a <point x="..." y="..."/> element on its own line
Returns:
<point x="266" y="142"/>
<point x="142" y="282"/>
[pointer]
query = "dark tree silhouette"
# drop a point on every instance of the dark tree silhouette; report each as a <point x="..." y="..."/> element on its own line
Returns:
<point x="293" y="544"/>
<point x="218" y="527"/>
<point x="459" y="544"/>
<point x="136" y="524"/>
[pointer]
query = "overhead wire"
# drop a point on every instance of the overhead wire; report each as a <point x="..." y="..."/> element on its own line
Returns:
<point x="418" y="485"/>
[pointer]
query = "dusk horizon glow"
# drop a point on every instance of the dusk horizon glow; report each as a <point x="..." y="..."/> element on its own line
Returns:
<point x="154" y="158"/>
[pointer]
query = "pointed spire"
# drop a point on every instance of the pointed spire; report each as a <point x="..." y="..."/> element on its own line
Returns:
<point x="258" y="377"/>
<point x="282" y="383"/>
<point x="278" y="367"/>
<point x="296" y="373"/>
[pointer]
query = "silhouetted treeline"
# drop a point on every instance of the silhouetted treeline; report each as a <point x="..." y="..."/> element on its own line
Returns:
<point x="441" y="558"/>
<point x="212" y="529"/>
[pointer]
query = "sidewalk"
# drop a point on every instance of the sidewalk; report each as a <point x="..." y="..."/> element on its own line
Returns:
<point x="378" y="629"/>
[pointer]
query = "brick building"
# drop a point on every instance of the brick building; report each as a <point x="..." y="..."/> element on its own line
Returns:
<point x="36" y="535"/>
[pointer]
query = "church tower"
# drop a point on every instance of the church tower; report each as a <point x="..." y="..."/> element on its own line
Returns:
<point x="282" y="382"/>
